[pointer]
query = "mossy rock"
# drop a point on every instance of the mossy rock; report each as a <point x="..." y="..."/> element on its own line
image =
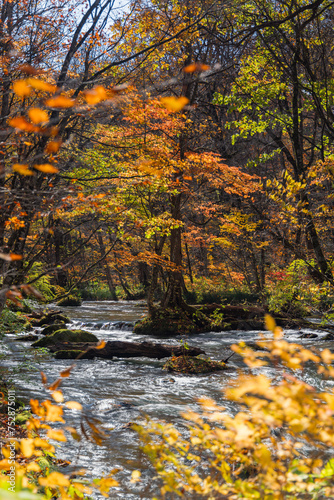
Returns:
<point x="50" y="319"/>
<point x="53" y="328"/>
<point x="71" y="354"/>
<point x="171" y="322"/>
<point x="192" y="364"/>
<point x="70" y="300"/>
<point x="309" y="336"/>
<point x="65" y="336"/>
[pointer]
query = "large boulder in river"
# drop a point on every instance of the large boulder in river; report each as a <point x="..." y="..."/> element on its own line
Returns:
<point x="70" y="300"/>
<point x="53" y="328"/>
<point x="65" y="335"/>
<point x="49" y="318"/>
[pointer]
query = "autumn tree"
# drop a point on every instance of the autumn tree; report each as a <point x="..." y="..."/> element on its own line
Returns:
<point x="281" y="97"/>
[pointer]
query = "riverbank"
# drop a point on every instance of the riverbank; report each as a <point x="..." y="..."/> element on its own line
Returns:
<point x="119" y="392"/>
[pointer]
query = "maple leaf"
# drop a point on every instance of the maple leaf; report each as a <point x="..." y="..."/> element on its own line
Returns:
<point x="174" y="104"/>
<point x="21" y="88"/>
<point x="22" y="169"/>
<point x="38" y="115"/>
<point x="60" y="102"/>
<point x="46" y="168"/>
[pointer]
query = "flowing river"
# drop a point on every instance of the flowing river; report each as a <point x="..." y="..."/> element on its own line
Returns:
<point x="121" y="391"/>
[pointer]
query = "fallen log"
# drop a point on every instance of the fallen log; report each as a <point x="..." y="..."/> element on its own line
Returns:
<point x="123" y="350"/>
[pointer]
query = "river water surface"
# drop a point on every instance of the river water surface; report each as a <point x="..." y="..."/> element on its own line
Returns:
<point x="121" y="391"/>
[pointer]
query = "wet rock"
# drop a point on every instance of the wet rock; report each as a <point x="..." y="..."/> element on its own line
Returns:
<point x="309" y="336"/>
<point x="53" y="328"/>
<point x="27" y="338"/>
<point x="70" y="300"/>
<point x="70" y="354"/>
<point x="120" y="349"/>
<point x="65" y="336"/>
<point x="51" y="318"/>
<point x="329" y="336"/>
<point x="193" y="364"/>
<point x="123" y="325"/>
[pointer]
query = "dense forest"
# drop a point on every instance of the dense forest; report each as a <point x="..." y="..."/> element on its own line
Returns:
<point x="174" y="151"/>
<point x="177" y="152"/>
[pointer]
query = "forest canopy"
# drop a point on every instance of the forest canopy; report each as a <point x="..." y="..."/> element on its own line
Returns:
<point x="164" y="149"/>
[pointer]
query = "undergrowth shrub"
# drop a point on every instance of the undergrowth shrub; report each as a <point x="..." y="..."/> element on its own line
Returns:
<point x="207" y="291"/>
<point x="293" y="291"/>
<point x="11" y="322"/>
<point x="43" y="282"/>
<point x="96" y="291"/>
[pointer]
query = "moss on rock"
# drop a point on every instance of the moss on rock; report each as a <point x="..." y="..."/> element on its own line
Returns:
<point x="53" y="328"/>
<point x="65" y="335"/>
<point x="192" y="364"/>
<point x="70" y="300"/>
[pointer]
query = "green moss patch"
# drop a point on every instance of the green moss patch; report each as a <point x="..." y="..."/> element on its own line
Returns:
<point x="193" y="364"/>
<point x="53" y="328"/>
<point x="65" y="336"/>
<point x="70" y="300"/>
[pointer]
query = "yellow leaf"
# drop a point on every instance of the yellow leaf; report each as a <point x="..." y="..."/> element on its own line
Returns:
<point x="53" y="413"/>
<point x="11" y="256"/>
<point x="21" y="123"/>
<point x="191" y="68"/>
<point x="22" y="169"/>
<point x="55" y="384"/>
<point x="269" y="322"/>
<point x="27" y="447"/>
<point x="46" y="168"/>
<point x="5" y="464"/>
<point x="38" y="115"/>
<point x="74" y="434"/>
<point x="21" y="88"/>
<point x="58" y="396"/>
<point x="15" y="256"/>
<point x="5" y="452"/>
<point x="73" y="405"/>
<point x="278" y="333"/>
<point x="174" y="103"/>
<point x="33" y="467"/>
<point x="44" y="378"/>
<point x="67" y="372"/>
<point x="95" y="95"/>
<point x="60" y="102"/>
<point x="83" y="488"/>
<point x="135" y="476"/>
<point x="54" y="479"/>
<point x="56" y="435"/>
<point x="40" y="85"/>
<point x="53" y="147"/>
<point x="101" y="344"/>
<point x="42" y="443"/>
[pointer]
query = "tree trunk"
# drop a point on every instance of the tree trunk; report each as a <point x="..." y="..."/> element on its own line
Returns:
<point x="173" y="297"/>
<point x="128" y="350"/>
<point x="110" y="282"/>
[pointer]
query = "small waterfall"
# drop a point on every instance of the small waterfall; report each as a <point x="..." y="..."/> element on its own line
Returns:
<point x="102" y="325"/>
